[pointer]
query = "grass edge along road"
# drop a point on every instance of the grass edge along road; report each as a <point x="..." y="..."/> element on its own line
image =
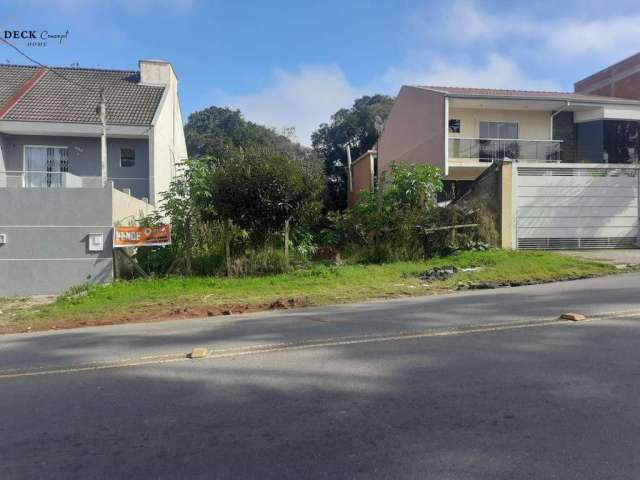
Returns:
<point x="177" y="297"/>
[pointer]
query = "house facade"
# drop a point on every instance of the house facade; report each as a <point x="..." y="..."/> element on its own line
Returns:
<point x="588" y="139"/>
<point x="464" y="130"/>
<point x="59" y="200"/>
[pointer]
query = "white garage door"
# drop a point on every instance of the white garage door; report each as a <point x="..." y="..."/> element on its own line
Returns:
<point x="569" y="206"/>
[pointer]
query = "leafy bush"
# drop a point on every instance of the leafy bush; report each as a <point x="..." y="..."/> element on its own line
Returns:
<point x="381" y="227"/>
<point x="401" y="221"/>
<point x="240" y="201"/>
<point x="259" y="191"/>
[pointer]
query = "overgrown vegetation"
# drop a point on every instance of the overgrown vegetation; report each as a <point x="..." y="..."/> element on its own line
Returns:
<point x="238" y="214"/>
<point x="252" y="203"/>
<point x="316" y="284"/>
<point x="255" y="212"/>
<point x="400" y="220"/>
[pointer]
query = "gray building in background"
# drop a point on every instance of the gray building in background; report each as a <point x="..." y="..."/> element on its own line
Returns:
<point x="57" y="213"/>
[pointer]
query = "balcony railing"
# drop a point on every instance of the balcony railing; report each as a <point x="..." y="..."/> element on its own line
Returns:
<point x="30" y="179"/>
<point x="491" y="149"/>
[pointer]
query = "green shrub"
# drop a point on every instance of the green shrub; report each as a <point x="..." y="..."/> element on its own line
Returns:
<point x="402" y="221"/>
<point x="151" y="259"/>
<point x="208" y="263"/>
<point x="381" y="227"/>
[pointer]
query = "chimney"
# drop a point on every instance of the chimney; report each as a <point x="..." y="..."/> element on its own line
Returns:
<point x="156" y="72"/>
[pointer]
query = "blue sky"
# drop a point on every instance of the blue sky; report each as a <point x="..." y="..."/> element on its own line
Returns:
<point x="293" y="63"/>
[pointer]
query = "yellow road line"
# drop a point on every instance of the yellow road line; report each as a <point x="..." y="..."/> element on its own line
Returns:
<point x="304" y="345"/>
<point x="278" y="347"/>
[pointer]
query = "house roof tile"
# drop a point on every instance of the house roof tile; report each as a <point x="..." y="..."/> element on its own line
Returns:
<point x="56" y="99"/>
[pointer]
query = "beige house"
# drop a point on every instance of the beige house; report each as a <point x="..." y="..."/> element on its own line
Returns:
<point x="464" y="130"/>
<point x="567" y="162"/>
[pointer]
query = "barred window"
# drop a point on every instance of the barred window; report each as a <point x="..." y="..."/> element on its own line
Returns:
<point x="127" y="157"/>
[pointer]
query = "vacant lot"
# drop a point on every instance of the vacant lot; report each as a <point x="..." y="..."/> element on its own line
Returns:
<point x="147" y="300"/>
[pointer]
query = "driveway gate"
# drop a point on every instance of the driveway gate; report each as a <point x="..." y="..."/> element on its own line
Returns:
<point x="573" y="206"/>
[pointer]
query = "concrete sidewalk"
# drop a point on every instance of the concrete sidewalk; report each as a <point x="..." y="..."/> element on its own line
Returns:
<point x="612" y="256"/>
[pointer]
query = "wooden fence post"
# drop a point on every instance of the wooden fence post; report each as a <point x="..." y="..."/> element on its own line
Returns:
<point x="227" y="247"/>
<point x="286" y="242"/>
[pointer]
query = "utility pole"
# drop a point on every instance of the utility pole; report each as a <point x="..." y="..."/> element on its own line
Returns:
<point x="349" y="174"/>
<point x="103" y="139"/>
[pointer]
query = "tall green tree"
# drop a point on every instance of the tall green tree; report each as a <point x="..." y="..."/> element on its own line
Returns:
<point x="356" y="127"/>
<point x="259" y="190"/>
<point x="215" y="131"/>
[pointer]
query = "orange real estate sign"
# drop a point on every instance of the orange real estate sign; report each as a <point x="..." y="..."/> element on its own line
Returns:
<point x="142" y="236"/>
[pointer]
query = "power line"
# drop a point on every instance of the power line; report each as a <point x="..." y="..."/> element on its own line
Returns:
<point x="61" y="75"/>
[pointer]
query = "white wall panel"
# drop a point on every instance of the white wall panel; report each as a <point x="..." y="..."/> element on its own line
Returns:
<point x="577" y="232"/>
<point x="578" y="203"/>
<point x="574" y="222"/>
<point x="577" y="191"/>
<point x="586" y="182"/>
<point x="626" y="211"/>
<point x="581" y="201"/>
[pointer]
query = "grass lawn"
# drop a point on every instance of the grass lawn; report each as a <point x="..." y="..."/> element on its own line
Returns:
<point x="145" y="300"/>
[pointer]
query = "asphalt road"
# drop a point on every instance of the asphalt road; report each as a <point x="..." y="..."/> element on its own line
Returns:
<point x="472" y="386"/>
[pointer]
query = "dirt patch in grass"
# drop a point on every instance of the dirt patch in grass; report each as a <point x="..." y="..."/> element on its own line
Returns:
<point x="153" y="314"/>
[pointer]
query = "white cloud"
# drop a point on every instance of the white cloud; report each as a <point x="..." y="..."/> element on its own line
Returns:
<point x="572" y="37"/>
<point x="465" y="23"/>
<point x="465" y="45"/>
<point x="497" y="72"/>
<point x="308" y="96"/>
<point x="302" y="98"/>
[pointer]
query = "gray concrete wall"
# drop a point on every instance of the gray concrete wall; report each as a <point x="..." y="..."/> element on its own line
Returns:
<point x="84" y="158"/>
<point x="47" y="250"/>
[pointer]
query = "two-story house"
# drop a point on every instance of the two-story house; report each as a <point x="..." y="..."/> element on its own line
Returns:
<point x="65" y="180"/>
<point x="465" y="130"/>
